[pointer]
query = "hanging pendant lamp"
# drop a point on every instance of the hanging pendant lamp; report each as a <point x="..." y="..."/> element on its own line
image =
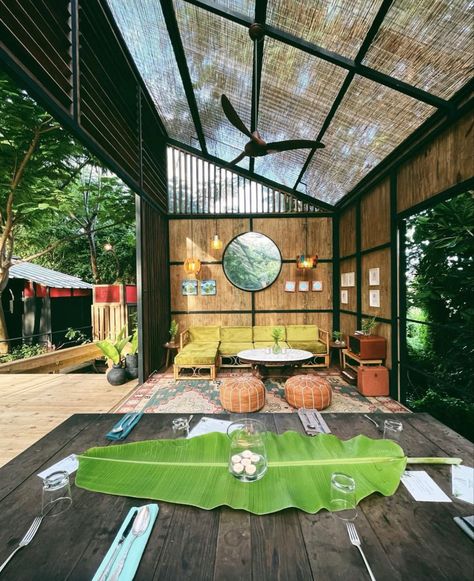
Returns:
<point x="216" y="242"/>
<point x="192" y="265"/>
<point x="303" y="261"/>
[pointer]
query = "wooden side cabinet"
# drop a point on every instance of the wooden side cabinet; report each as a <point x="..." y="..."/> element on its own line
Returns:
<point x="353" y="361"/>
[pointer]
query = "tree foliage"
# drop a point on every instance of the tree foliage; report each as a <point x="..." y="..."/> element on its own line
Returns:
<point x="440" y="297"/>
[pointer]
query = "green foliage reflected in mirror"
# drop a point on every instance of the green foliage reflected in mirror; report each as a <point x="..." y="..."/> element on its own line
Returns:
<point x="252" y="261"/>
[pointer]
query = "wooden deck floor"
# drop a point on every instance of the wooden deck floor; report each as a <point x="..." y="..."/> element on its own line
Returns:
<point x="31" y="405"/>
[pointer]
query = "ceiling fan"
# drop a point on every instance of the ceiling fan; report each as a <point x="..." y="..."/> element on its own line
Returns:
<point x="257" y="146"/>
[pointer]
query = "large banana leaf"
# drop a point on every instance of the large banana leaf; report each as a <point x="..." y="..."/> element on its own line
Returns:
<point x="195" y="471"/>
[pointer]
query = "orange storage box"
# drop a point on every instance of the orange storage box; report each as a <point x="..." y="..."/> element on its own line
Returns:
<point x="372" y="381"/>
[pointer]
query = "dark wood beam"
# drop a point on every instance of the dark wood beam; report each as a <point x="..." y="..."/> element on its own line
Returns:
<point x="253" y="176"/>
<point x="177" y="43"/>
<point x="260" y="18"/>
<point x="350" y="65"/>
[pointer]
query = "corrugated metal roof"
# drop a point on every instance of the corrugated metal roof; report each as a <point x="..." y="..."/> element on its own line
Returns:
<point x="46" y="276"/>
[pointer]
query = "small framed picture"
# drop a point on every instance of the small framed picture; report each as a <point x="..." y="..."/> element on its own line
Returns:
<point x="208" y="287"/>
<point x="303" y="286"/>
<point x="344" y="279"/>
<point x="317" y="285"/>
<point x="350" y="280"/>
<point x="189" y="288"/>
<point x="344" y="297"/>
<point x="290" y="286"/>
<point x="374" y="276"/>
<point x="374" y="298"/>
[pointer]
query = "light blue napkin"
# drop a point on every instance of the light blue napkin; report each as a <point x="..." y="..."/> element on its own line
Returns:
<point x="130" y="424"/>
<point x="133" y="544"/>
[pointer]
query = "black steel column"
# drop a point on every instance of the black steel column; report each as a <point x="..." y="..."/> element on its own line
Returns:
<point x="358" y="264"/>
<point x="394" y="372"/>
<point x="335" y="274"/>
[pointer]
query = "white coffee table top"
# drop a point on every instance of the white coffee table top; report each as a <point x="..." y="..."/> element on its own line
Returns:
<point x="261" y="356"/>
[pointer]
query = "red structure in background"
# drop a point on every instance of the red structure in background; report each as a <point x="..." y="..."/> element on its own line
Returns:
<point x="114" y="307"/>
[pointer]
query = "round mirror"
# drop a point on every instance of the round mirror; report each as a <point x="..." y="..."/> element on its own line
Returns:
<point x="251" y="261"/>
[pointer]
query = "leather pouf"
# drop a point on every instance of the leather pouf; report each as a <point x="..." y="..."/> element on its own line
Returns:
<point x="308" y="391"/>
<point x="242" y="394"/>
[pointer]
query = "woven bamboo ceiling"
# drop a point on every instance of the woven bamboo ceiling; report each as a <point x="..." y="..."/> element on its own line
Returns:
<point x="361" y="75"/>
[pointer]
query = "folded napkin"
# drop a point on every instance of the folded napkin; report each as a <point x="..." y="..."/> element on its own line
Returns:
<point x="130" y="421"/>
<point x="132" y="548"/>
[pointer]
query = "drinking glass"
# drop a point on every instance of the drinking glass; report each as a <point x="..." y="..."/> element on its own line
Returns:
<point x="343" y="496"/>
<point x="392" y="430"/>
<point x="247" y="457"/>
<point x="180" y="427"/>
<point x="56" y="494"/>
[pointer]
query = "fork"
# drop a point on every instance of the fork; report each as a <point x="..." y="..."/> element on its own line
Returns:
<point x="31" y="532"/>
<point x="125" y="421"/>
<point x="355" y="540"/>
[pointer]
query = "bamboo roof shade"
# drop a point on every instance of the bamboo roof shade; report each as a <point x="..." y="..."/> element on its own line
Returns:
<point x="360" y="75"/>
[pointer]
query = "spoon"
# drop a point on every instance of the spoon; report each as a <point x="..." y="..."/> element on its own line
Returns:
<point x="376" y="424"/>
<point x="122" y="425"/>
<point x="140" y="525"/>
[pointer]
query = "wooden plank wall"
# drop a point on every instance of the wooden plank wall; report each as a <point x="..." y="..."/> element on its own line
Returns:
<point x="231" y="306"/>
<point x="444" y="162"/>
<point x="153" y="284"/>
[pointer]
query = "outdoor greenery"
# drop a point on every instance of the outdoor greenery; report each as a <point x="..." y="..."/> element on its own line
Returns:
<point x="23" y="352"/>
<point x="58" y="205"/>
<point x="252" y="261"/>
<point x="440" y="301"/>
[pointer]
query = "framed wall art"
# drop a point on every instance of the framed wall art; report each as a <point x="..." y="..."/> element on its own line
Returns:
<point x="290" y="286"/>
<point x="374" y="298"/>
<point x="374" y="276"/>
<point x="303" y="286"/>
<point x="344" y="297"/>
<point x="317" y="285"/>
<point x="189" y="288"/>
<point x="208" y="288"/>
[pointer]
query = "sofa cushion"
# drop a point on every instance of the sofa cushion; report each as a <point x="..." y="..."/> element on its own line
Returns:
<point x="265" y="344"/>
<point x="313" y="346"/>
<point x="264" y="333"/>
<point x="204" y="334"/>
<point x="236" y="335"/>
<point x="198" y="346"/>
<point x="196" y="355"/>
<point x="301" y="333"/>
<point x="233" y="348"/>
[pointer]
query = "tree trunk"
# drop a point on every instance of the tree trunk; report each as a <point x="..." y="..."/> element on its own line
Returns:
<point x="93" y="257"/>
<point x="4" y="347"/>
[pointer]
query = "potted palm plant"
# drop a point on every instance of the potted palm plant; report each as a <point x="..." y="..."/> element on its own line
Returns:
<point x="368" y="325"/>
<point x="113" y="351"/>
<point x="337" y="335"/>
<point x="174" y="328"/>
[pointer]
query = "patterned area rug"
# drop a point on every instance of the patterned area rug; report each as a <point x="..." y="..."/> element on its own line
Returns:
<point x="161" y="394"/>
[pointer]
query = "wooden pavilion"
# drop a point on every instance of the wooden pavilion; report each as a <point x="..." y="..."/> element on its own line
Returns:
<point x="385" y="85"/>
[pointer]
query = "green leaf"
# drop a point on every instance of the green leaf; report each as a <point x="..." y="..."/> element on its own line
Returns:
<point x="119" y="345"/>
<point x="109" y="351"/>
<point x="298" y="475"/>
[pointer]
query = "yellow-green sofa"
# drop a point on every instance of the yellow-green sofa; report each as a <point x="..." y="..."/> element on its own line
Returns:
<point x="203" y="349"/>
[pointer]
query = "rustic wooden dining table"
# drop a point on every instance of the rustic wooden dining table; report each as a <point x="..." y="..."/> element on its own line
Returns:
<point x="402" y="538"/>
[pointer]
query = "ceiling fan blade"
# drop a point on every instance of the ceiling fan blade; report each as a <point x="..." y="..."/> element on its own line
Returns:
<point x="233" y="117"/>
<point x="293" y="144"/>
<point x="238" y="158"/>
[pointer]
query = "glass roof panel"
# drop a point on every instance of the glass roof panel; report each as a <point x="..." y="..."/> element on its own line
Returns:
<point x="427" y="43"/>
<point x="297" y="92"/>
<point x="219" y="56"/>
<point x="144" y="30"/>
<point x="336" y="25"/>
<point x="245" y="7"/>
<point x="369" y="123"/>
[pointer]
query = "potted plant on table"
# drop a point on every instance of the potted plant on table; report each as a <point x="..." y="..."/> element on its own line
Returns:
<point x="174" y="328"/>
<point x="131" y="359"/>
<point x="113" y="351"/>
<point x="337" y="335"/>
<point x="368" y="325"/>
<point x="277" y="335"/>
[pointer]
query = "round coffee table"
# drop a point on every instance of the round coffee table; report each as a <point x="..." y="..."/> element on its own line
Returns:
<point x="260" y="359"/>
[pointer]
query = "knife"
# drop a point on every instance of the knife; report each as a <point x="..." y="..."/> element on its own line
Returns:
<point x="111" y="561"/>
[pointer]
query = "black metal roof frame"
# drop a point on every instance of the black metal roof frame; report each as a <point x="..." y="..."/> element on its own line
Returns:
<point x="353" y="66"/>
